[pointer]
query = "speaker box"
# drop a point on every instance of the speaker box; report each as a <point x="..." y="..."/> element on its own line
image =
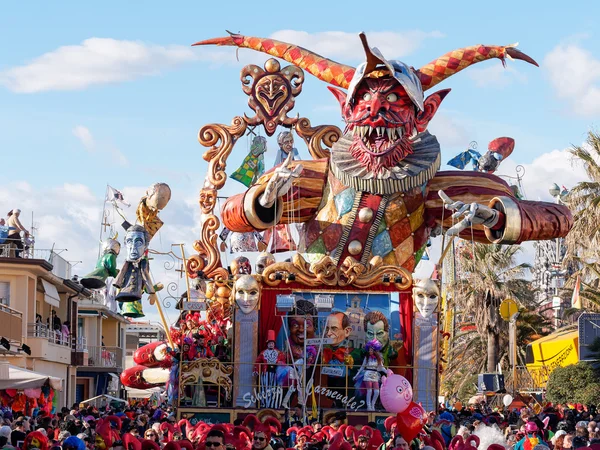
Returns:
<point x="490" y="382"/>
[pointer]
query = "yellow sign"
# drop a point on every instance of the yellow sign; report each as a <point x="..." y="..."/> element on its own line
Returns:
<point x="508" y="308"/>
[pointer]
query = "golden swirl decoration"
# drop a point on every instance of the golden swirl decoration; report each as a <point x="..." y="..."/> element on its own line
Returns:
<point x="208" y="246"/>
<point x="209" y="370"/>
<point x="195" y="264"/>
<point x="318" y="139"/>
<point x="350" y="273"/>
<point x="354" y="273"/>
<point x="225" y="136"/>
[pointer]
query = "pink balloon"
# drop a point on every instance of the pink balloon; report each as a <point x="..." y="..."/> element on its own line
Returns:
<point x="396" y="393"/>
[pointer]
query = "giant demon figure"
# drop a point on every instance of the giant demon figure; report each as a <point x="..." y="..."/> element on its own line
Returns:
<point x="380" y="191"/>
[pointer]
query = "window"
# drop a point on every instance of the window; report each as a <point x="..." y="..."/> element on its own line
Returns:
<point x="4" y="293"/>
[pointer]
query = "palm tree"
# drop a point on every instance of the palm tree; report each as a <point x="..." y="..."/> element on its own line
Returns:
<point x="491" y="274"/>
<point x="584" y="200"/>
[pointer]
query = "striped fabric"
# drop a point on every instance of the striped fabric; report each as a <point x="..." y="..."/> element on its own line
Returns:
<point x="302" y="202"/>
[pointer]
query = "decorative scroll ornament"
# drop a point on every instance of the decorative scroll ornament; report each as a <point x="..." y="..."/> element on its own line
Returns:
<point x="350" y="273"/>
<point x="318" y="139"/>
<point x="206" y="370"/>
<point x="271" y="93"/>
<point x="216" y="156"/>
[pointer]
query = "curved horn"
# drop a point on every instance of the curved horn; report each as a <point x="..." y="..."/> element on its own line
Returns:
<point x="324" y="69"/>
<point x="453" y="62"/>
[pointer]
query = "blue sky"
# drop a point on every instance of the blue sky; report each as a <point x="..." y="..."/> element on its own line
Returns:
<point x="111" y="92"/>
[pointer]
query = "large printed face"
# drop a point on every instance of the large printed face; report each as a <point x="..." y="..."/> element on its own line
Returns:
<point x="136" y="244"/>
<point x="297" y="325"/>
<point x="335" y="329"/>
<point x="377" y="331"/>
<point x="247" y="293"/>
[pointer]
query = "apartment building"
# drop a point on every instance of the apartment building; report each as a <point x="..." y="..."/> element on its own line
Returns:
<point x="100" y="353"/>
<point x="38" y="310"/>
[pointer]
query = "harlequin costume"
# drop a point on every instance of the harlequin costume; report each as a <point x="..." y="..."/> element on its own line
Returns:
<point x="353" y="207"/>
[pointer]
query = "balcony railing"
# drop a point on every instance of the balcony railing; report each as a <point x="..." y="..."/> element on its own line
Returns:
<point x="81" y="344"/>
<point x="40" y="330"/>
<point x="60" y="266"/>
<point x="110" y="357"/>
<point x="12" y="323"/>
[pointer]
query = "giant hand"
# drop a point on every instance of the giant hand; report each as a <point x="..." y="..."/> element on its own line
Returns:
<point x="280" y="183"/>
<point x="471" y="213"/>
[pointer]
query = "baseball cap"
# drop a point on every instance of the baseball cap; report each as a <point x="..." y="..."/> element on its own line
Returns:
<point x="5" y="431"/>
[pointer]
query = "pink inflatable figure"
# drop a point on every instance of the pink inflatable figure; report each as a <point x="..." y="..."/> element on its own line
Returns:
<point x="396" y="392"/>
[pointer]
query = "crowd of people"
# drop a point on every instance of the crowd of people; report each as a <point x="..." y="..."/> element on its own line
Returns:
<point x="153" y="428"/>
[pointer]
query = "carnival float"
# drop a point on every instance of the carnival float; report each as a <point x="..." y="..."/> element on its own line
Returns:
<point x="328" y="317"/>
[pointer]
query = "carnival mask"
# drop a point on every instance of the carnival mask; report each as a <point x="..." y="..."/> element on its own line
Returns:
<point x="264" y="260"/>
<point x="208" y="198"/>
<point x="247" y="293"/>
<point x="136" y="242"/>
<point x="241" y="266"/>
<point x="426" y="294"/>
<point x="34" y="444"/>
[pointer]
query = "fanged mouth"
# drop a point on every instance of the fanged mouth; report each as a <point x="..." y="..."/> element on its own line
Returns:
<point x="379" y="141"/>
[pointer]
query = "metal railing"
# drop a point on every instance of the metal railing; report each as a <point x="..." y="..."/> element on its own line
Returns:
<point x="60" y="266"/>
<point x="81" y="344"/>
<point x="212" y="383"/>
<point x="111" y="357"/>
<point x="40" y="330"/>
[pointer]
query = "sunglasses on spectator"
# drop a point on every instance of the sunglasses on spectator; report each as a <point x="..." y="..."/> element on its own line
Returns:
<point x="259" y="439"/>
<point x="209" y="444"/>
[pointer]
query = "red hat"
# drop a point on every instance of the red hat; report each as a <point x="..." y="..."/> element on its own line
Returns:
<point x="270" y="336"/>
<point x="338" y="442"/>
<point x="148" y="444"/>
<point x="267" y="427"/>
<point x="130" y="442"/>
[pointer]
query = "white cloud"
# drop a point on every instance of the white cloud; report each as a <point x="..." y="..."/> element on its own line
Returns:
<point x="85" y="136"/>
<point x="347" y="46"/>
<point x="449" y="131"/>
<point x="97" y="61"/>
<point x="496" y="76"/>
<point x="575" y="75"/>
<point x="94" y="61"/>
<point x="556" y="166"/>
<point x="91" y="145"/>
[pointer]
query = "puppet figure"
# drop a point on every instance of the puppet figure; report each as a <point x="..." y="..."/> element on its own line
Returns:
<point x="106" y="265"/>
<point x="370" y="372"/>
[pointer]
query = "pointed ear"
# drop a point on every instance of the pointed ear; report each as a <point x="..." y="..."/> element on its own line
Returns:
<point x="340" y="97"/>
<point x="431" y="104"/>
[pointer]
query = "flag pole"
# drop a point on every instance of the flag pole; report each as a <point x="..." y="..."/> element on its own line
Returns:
<point x="102" y="220"/>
